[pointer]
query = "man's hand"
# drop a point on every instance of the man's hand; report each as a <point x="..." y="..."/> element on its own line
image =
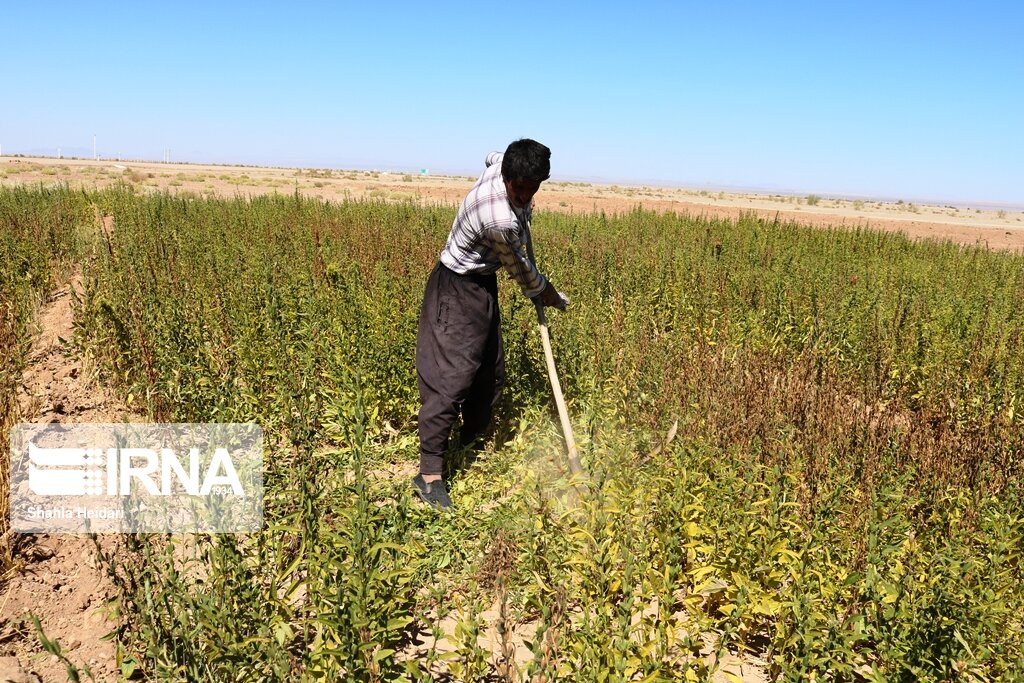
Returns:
<point x="552" y="297"/>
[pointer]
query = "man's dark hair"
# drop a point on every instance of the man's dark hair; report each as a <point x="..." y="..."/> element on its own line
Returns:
<point x="526" y="159"/>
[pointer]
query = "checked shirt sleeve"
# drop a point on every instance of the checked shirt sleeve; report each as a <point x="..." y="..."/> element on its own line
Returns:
<point x="510" y="249"/>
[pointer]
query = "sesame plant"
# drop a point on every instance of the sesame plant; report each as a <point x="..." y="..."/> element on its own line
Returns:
<point x="840" y="498"/>
<point x="40" y="234"/>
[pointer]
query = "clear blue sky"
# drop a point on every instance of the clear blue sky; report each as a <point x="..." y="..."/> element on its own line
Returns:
<point x="907" y="100"/>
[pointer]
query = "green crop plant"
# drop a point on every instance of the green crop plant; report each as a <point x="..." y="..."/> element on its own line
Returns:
<point x="841" y="499"/>
<point x="41" y="231"/>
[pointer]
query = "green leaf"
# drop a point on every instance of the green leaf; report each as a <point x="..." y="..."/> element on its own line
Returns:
<point x="383" y="653"/>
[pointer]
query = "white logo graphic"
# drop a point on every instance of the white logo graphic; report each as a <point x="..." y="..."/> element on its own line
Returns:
<point x="136" y="478"/>
<point x="83" y="479"/>
<point x="112" y="471"/>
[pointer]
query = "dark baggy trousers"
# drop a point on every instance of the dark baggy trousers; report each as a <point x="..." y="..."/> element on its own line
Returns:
<point x="460" y="363"/>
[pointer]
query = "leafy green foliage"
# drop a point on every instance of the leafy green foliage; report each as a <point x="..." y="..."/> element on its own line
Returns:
<point x="40" y="234"/>
<point x="841" y="501"/>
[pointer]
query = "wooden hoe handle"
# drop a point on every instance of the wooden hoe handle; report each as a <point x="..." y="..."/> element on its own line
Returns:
<point x="556" y="387"/>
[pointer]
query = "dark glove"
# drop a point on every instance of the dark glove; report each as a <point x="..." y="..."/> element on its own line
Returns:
<point x="551" y="297"/>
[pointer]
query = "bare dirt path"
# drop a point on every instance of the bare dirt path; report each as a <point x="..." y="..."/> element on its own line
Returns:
<point x="61" y="581"/>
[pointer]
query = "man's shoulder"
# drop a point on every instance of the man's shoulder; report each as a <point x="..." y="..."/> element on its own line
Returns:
<point x="489" y="202"/>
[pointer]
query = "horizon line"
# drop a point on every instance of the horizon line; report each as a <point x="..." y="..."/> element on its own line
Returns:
<point x="764" y="190"/>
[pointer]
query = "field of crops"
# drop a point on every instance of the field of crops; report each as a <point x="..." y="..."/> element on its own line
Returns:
<point x="39" y="233"/>
<point x="841" y="501"/>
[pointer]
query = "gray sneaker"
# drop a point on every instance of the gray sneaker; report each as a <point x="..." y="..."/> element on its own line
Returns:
<point x="433" y="493"/>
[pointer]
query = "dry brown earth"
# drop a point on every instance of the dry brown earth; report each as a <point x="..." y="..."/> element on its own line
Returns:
<point x="999" y="229"/>
<point x="61" y="582"/>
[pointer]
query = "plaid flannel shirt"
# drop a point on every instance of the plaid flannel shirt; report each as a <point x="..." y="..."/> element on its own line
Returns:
<point x="488" y="233"/>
